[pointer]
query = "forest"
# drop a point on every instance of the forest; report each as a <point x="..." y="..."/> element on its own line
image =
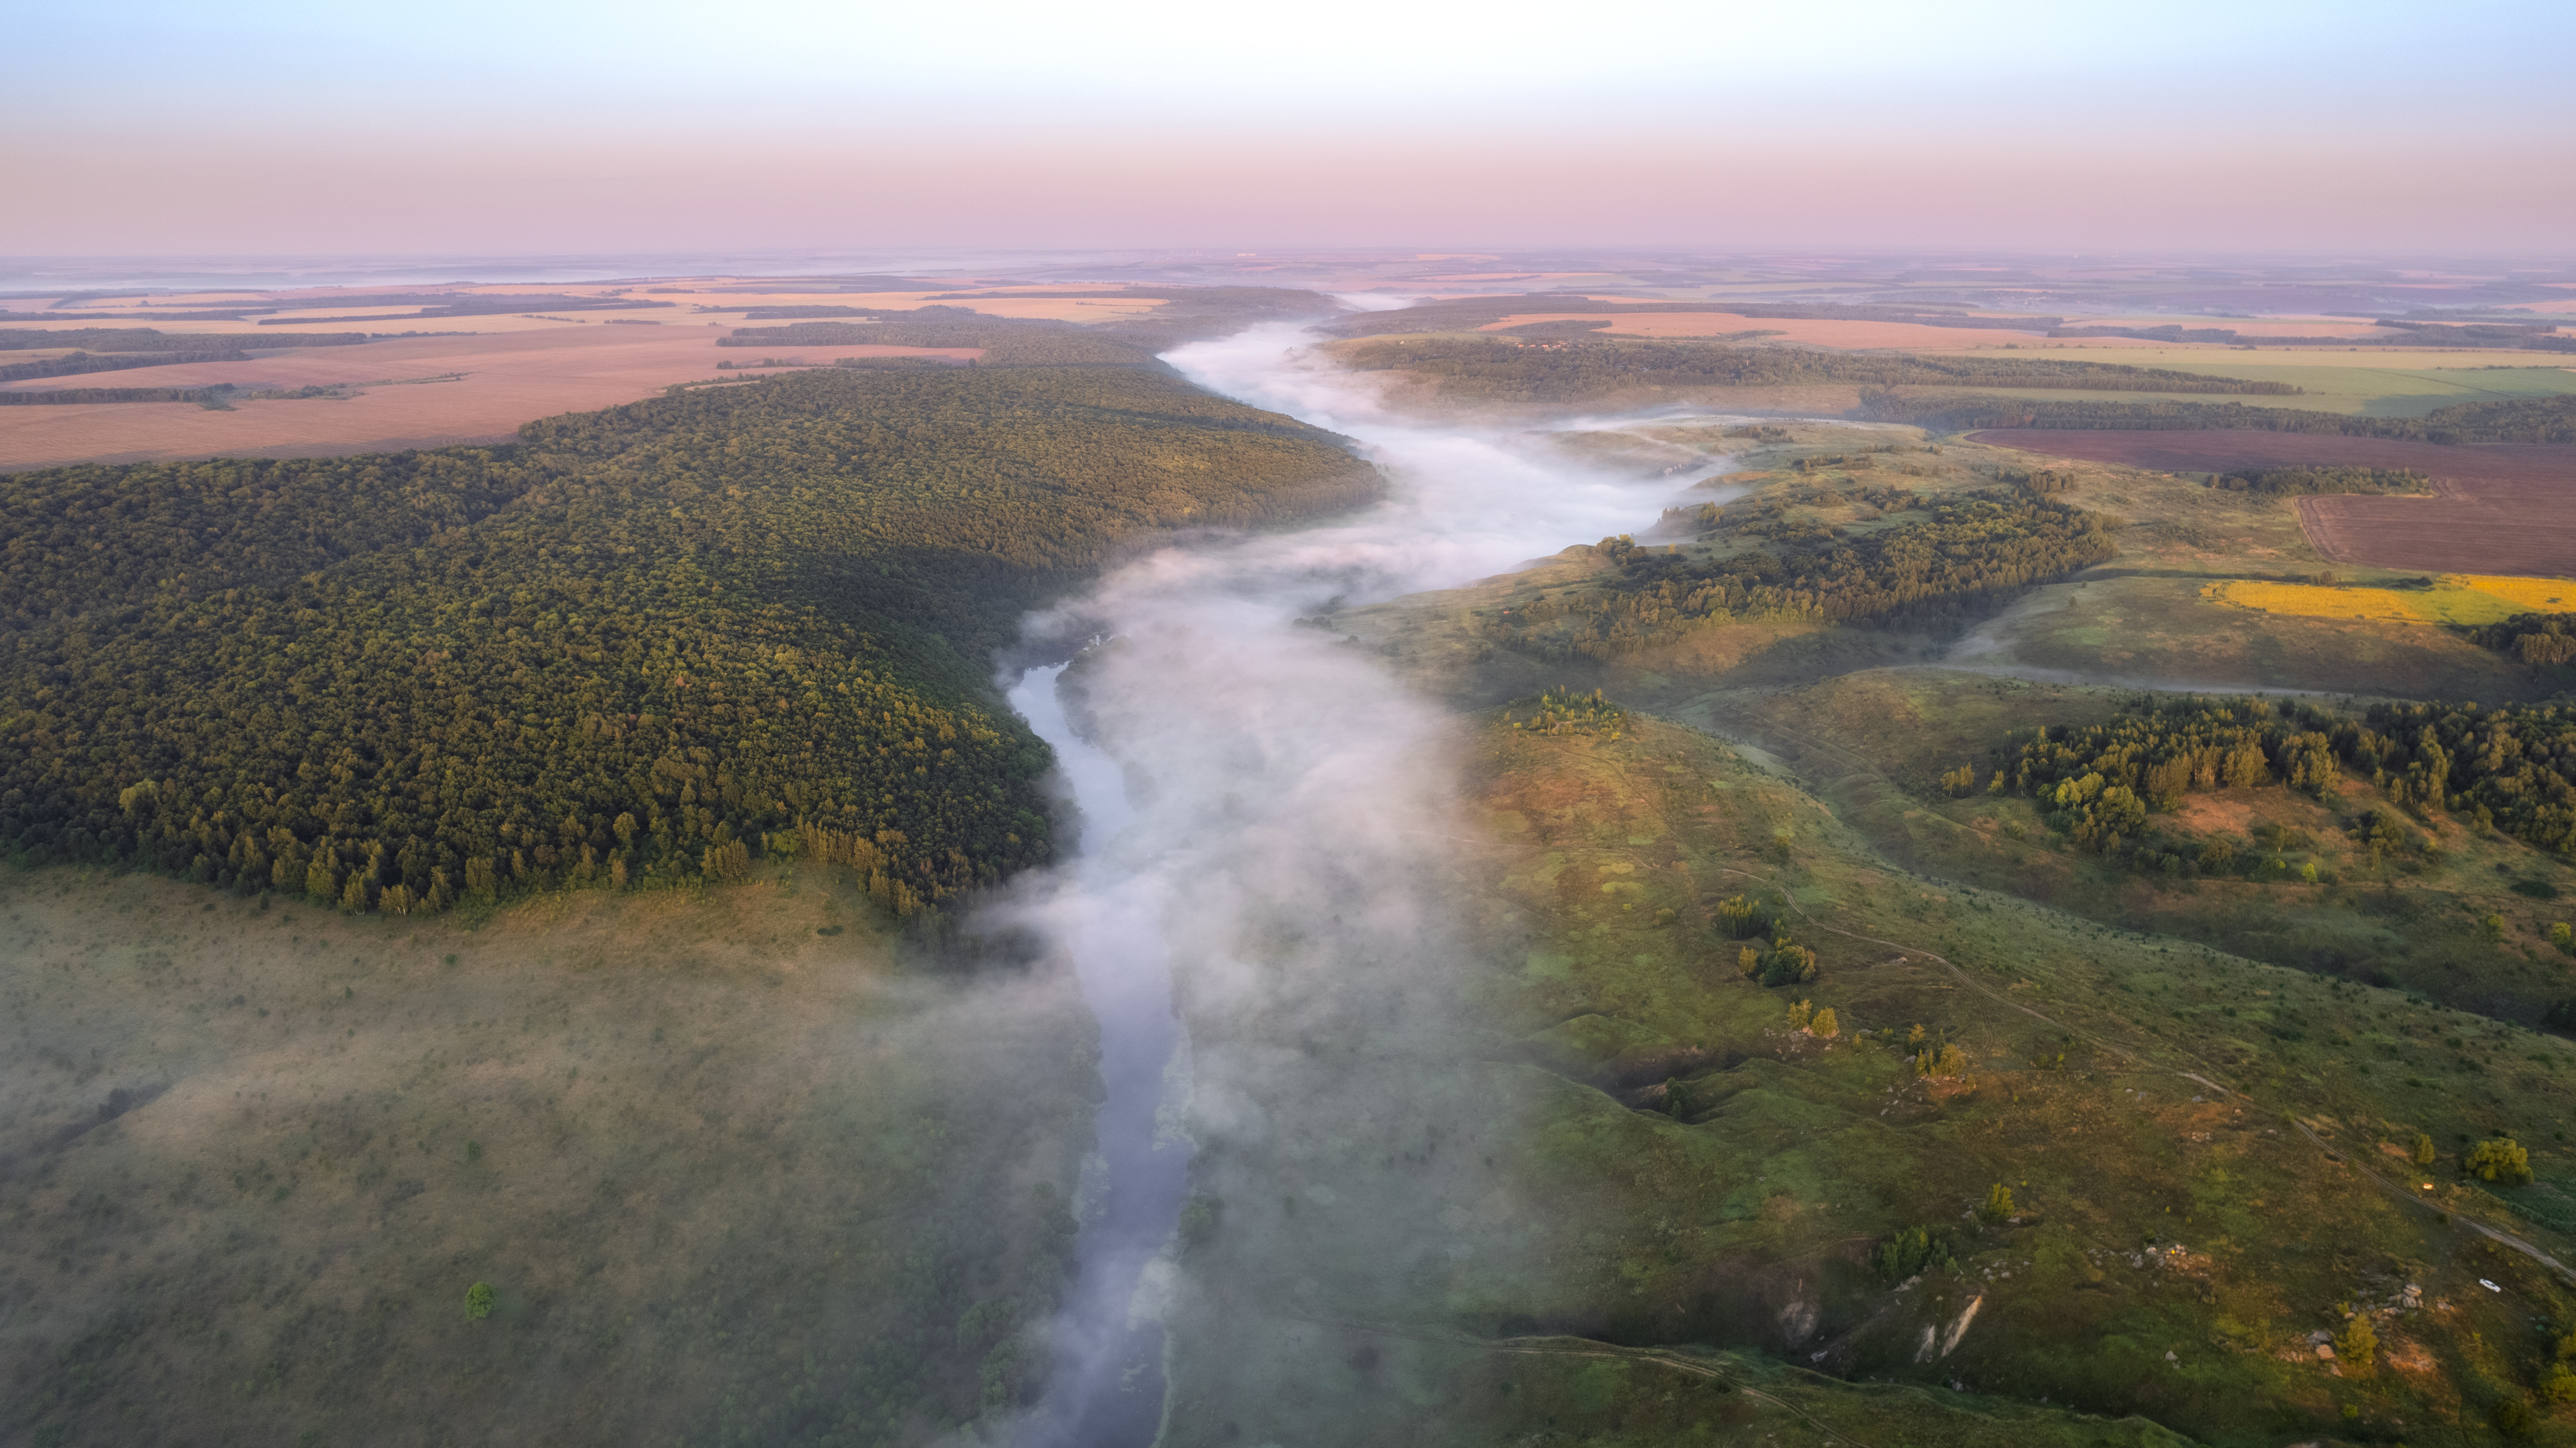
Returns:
<point x="2506" y="769"/>
<point x="1007" y="342"/>
<point x="2518" y="419"/>
<point x="639" y="646"/>
<point x="2309" y="482"/>
<point x="2534" y="638"/>
<point x="82" y="362"/>
<point x="1968" y="554"/>
<point x="1485" y="368"/>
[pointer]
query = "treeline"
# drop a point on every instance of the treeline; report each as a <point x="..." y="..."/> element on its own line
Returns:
<point x="2509" y="769"/>
<point x="642" y="645"/>
<point x="1007" y="342"/>
<point x="1493" y="368"/>
<point x="2534" y="638"/>
<point x="448" y="304"/>
<point x="1969" y="554"/>
<point x="82" y="362"/>
<point x="56" y="396"/>
<point x="2520" y="419"/>
<point x="2309" y="482"/>
<point x="150" y="339"/>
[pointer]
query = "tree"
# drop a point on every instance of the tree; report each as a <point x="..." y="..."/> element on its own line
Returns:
<point x="2564" y="937"/>
<point x="2423" y="1150"/>
<point x="1825" y="1025"/>
<point x="478" y="1301"/>
<point x="1999" y="1204"/>
<point x="2358" y="1347"/>
<point x="2498" y="1158"/>
<point x="2491" y="929"/>
<point x="1799" y="1014"/>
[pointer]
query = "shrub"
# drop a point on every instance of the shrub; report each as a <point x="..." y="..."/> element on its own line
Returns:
<point x="1800" y="1012"/>
<point x="2358" y="1347"/>
<point x="1825" y="1025"/>
<point x="2498" y="1159"/>
<point x="2492" y="929"/>
<point x="1785" y="964"/>
<point x="1999" y="1202"/>
<point x="2423" y="1150"/>
<point x="478" y="1301"/>
<point x="1914" y="1250"/>
<point x="2562" y="936"/>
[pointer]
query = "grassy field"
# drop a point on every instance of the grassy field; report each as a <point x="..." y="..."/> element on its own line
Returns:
<point x="734" y="1169"/>
<point x="1669" y="1188"/>
<point x="1874" y="745"/>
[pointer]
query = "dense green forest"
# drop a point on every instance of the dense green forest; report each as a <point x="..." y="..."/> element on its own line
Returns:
<point x="149" y="339"/>
<point x="1967" y="554"/>
<point x="1487" y="368"/>
<point x="2308" y="482"/>
<point x="2508" y="769"/>
<point x="2519" y="419"/>
<point x="2534" y="638"/>
<point x="639" y="645"/>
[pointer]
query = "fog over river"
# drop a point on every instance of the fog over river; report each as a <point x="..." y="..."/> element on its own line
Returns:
<point x="1266" y="814"/>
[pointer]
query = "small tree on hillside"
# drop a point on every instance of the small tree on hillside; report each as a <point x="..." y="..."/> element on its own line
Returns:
<point x="1825" y="1025"/>
<point x="2424" y="1152"/>
<point x="2358" y="1346"/>
<point x="1999" y="1204"/>
<point x="2499" y="1158"/>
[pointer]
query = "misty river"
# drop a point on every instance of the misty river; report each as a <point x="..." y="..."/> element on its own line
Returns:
<point x="1259" y="802"/>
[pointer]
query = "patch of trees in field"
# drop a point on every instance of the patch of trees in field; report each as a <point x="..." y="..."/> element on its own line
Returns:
<point x="64" y="396"/>
<point x="642" y="645"/>
<point x="2510" y="769"/>
<point x="152" y="339"/>
<point x="2534" y="638"/>
<point x="2518" y="419"/>
<point x="1967" y="554"/>
<point x="79" y="363"/>
<point x="1501" y="369"/>
<point x="2309" y="482"/>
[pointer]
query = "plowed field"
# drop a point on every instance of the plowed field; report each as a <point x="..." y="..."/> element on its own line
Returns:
<point x="2505" y="508"/>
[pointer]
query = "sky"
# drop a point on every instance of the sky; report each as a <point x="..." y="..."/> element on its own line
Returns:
<point x="480" y="127"/>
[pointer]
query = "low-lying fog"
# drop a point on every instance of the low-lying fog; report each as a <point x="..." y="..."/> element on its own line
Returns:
<point x="1268" y="822"/>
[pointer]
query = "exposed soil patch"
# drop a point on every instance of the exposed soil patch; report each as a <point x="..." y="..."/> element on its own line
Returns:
<point x="2502" y="508"/>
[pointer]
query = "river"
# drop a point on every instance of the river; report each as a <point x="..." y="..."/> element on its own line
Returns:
<point x="1257" y="802"/>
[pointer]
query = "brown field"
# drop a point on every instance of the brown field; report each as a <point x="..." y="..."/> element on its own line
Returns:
<point x="1813" y="331"/>
<point x="509" y="378"/>
<point x="2502" y="508"/>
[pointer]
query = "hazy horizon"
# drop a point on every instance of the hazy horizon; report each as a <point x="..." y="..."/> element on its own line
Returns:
<point x="2002" y="126"/>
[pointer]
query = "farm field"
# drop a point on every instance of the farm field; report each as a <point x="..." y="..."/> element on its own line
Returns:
<point x="445" y="390"/>
<point x="2453" y="599"/>
<point x="2366" y="384"/>
<point x="1812" y="332"/>
<point x="2502" y="508"/>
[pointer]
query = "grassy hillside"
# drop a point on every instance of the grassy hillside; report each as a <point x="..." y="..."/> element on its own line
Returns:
<point x="642" y="645"/>
<point x="731" y="1171"/>
<point x="1626" y="1141"/>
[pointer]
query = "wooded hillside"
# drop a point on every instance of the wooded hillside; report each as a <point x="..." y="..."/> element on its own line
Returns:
<point x="640" y="645"/>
